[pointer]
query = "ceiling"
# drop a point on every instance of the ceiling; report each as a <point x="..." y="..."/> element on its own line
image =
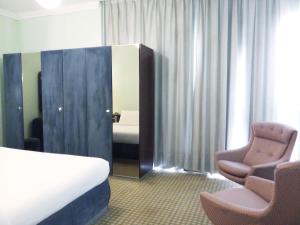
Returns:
<point x="27" y="6"/>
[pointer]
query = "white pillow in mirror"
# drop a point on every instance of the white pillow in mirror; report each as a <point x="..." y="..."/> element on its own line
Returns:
<point x="129" y="117"/>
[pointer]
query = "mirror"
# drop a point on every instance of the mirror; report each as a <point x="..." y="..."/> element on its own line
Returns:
<point x="125" y="83"/>
<point x="32" y="102"/>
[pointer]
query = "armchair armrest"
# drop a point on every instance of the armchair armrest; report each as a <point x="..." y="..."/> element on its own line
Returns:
<point x="264" y="188"/>
<point x="265" y="170"/>
<point x="236" y="155"/>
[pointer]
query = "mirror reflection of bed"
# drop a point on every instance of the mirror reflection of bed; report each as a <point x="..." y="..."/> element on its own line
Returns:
<point x="133" y="84"/>
<point x="126" y="144"/>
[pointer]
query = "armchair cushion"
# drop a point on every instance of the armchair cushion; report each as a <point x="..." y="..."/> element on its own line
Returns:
<point x="242" y="197"/>
<point x="234" y="168"/>
<point x="264" y="151"/>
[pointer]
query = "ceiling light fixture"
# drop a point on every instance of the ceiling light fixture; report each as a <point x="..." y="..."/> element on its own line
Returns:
<point x="49" y="4"/>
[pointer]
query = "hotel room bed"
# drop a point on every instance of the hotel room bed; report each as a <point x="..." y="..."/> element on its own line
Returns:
<point x="51" y="189"/>
<point x="127" y="129"/>
<point x="124" y="133"/>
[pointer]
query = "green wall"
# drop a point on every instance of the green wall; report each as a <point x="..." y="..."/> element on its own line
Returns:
<point x="9" y="42"/>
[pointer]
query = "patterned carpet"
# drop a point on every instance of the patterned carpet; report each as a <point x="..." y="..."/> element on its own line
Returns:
<point x="160" y="199"/>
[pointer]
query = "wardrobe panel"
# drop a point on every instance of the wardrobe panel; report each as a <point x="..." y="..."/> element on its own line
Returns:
<point x="14" y="127"/>
<point x="74" y="86"/>
<point x="99" y="102"/>
<point x="52" y="101"/>
<point x="146" y="109"/>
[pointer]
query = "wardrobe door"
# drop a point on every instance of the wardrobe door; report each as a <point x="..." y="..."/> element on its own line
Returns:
<point x="146" y="109"/>
<point x="14" y="126"/>
<point x="99" y="102"/>
<point x="52" y="99"/>
<point x="74" y="86"/>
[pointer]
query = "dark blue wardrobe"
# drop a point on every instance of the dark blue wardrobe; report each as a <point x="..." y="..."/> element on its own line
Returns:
<point x="13" y="101"/>
<point x="77" y="101"/>
<point x="76" y="95"/>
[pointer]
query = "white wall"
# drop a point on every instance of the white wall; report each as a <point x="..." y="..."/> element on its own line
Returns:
<point x="72" y="30"/>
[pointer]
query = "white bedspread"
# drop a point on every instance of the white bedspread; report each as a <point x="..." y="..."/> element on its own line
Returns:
<point x="123" y="133"/>
<point x="35" y="185"/>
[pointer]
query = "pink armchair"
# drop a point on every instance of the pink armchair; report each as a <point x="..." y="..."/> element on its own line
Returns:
<point x="269" y="145"/>
<point x="260" y="202"/>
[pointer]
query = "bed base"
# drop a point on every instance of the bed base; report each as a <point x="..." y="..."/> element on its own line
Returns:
<point x="126" y="151"/>
<point x="85" y="210"/>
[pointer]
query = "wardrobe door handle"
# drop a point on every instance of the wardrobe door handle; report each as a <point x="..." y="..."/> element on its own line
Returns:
<point x="19" y="108"/>
<point x="107" y="110"/>
<point x="60" y="109"/>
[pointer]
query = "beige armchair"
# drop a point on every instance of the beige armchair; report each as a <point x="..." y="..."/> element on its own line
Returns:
<point x="260" y="202"/>
<point x="269" y="145"/>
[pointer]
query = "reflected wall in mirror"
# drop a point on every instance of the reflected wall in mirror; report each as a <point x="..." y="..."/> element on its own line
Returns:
<point x="32" y="109"/>
<point x="133" y="107"/>
<point x="125" y="72"/>
<point x="125" y="80"/>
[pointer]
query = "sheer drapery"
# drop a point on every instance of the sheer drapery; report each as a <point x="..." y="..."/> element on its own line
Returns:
<point x="215" y="70"/>
<point x="264" y="76"/>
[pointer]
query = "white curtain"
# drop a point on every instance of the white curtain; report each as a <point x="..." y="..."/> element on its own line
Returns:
<point x="266" y="70"/>
<point x="215" y="70"/>
<point x="287" y="70"/>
